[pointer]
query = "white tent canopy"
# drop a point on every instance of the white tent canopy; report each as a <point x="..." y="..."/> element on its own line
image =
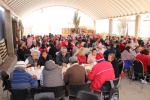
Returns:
<point x="96" y="9"/>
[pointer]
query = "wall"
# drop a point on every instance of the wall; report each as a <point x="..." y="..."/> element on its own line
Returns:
<point x="2" y="25"/>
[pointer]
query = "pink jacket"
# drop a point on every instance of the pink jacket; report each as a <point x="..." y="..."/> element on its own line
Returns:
<point x="125" y="55"/>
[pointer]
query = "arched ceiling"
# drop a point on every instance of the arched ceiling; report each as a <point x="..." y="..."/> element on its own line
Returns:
<point x="96" y="9"/>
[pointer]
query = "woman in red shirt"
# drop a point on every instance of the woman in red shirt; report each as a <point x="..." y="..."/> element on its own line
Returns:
<point x="81" y="56"/>
<point x="144" y="58"/>
<point x="122" y="46"/>
<point x="43" y="48"/>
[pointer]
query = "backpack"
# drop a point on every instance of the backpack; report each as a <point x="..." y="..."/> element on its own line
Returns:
<point x="114" y="93"/>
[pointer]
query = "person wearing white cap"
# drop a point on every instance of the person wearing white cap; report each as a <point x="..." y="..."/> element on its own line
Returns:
<point x="20" y="79"/>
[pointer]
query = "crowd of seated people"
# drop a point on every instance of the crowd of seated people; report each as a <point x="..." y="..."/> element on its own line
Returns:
<point x="58" y="52"/>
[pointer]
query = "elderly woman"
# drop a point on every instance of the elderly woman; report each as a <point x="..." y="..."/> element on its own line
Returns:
<point x="92" y="56"/>
<point x="62" y="58"/>
<point x="52" y="75"/>
<point x="32" y="60"/>
<point x="81" y="56"/>
<point x="20" y="79"/>
<point x="71" y="76"/>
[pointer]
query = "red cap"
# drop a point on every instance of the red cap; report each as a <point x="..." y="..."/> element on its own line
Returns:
<point x="99" y="56"/>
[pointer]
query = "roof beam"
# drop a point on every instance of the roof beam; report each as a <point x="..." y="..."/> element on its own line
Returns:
<point x="6" y="7"/>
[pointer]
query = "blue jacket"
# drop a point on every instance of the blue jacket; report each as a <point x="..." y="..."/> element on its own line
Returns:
<point x="60" y="59"/>
<point x="128" y="64"/>
<point x="20" y="79"/>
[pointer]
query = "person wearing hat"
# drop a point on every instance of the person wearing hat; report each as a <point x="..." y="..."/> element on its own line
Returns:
<point x="100" y="73"/>
<point x="20" y="79"/>
<point x="76" y="74"/>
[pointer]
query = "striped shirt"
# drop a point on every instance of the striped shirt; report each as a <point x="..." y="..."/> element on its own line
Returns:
<point x="20" y="79"/>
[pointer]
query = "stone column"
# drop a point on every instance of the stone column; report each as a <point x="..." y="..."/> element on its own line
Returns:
<point x="9" y="32"/>
<point x="110" y="26"/>
<point x="137" y="26"/>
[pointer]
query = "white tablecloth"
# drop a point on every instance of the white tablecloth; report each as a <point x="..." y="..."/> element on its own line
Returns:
<point x="35" y="71"/>
<point x="86" y="66"/>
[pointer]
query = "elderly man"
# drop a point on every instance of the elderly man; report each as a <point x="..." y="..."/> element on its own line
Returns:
<point x="20" y="79"/>
<point x="32" y="60"/>
<point x="76" y="74"/>
<point x="101" y="72"/>
<point x="62" y="58"/>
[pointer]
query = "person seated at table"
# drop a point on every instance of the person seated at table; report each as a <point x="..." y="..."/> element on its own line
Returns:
<point x="76" y="74"/>
<point x="62" y="58"/>
<point x="32" y="60"/>
<point x="20" y="79"/>
<point x="34" y="44"/>
<point x="52" y="75"/>
<point x="129" y="43"/>
<point x="100" y="73"/>
<point x="92" y="56"/>
<point x="148" y="47"/>
<point x="144" y="58"/>
<point x="117" y="48"/>
<point x="112" y="59"/>
<point x="70" y="47"/>
<point x="43" y="58"/>
<point x="127" y="57"/>
<point x="122" y="46"/>
<point x="43" y="48"/>
<point x="75" y="48"/>
<point x="81" y="56"/>
<point x="58" y="45"/>
<point x="126" y="54"/>
<point x="136" y="51"/>
<point x="87" y="44"/>
<point x="52" y="51"/>
<point x="22" y="50"/>
<point x="109" y="50"/>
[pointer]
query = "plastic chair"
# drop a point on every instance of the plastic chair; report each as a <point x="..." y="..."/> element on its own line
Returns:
<point x="138" y="69"/>
<point x="44" y="96"/>
<point x="19" y="94"/>
<point x="84" y="95"/>
<point x="106" y="88"/>
<point x="74" y="89"/>
<point x="121" y="66"/>
<point x="59" y="91"/>
<point x="34" y="91"/>
<point x="6" y="83"/>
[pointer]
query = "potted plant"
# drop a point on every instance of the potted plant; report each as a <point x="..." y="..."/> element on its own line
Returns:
<point x="76" y="21"/>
